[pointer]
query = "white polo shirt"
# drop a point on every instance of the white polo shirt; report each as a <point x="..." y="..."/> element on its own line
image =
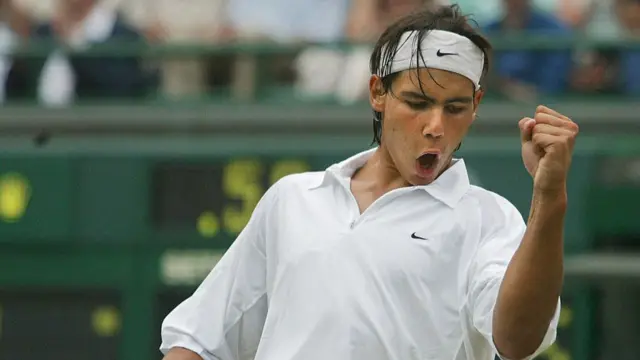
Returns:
<point x="414" y="277"/>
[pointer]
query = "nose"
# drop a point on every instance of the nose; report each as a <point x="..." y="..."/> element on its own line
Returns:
<point x="433" y="123"/>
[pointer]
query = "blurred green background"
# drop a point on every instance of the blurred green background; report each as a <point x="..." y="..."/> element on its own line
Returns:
<point x="125" y="177"/>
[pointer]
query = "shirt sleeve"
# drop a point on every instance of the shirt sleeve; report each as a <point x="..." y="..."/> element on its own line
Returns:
<point x="224" y="318"/>
<point x="496" y="249"/>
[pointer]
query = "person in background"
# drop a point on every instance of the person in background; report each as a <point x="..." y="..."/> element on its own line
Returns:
<point x="291" y="22"/>
<point x="14" y="28"/>
<point x="487" y="11"/>
<point x="65" y="75"/>
<point x="628" y="14"/>
<point x="611" y="70"/>
<point x="525" y="74"/>
<point x="576" y="13"/>
<point x="188" y="22"/>
<point x="345" y="73"/>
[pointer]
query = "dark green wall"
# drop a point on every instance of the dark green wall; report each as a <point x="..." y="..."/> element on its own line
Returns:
<point x="135" y="223"/>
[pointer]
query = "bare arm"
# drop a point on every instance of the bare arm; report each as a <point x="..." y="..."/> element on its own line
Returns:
<point x="533" y="280"/>
<point x="529" y="293"/>
<point x="181" y="354"/>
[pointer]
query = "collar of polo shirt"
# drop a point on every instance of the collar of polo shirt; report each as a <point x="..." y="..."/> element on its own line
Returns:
<point x="448" y="188"/>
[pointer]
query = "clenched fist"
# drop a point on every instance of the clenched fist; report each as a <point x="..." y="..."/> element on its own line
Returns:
<point x="547" y="148"/>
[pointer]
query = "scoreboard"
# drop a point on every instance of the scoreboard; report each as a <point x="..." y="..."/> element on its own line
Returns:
<point x="59" y="325"/>
<point x="215" y="197"/>
<point x="100" y="238"/>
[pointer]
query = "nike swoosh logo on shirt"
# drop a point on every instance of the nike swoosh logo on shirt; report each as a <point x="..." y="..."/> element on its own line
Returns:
<point x="440" y="53"/>
<point x="414" y="236"/>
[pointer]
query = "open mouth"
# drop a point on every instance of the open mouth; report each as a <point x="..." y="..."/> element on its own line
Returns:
<point x="428" y="161"/>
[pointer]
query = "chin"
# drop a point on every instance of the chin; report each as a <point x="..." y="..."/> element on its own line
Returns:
<point x="421" y="181"/>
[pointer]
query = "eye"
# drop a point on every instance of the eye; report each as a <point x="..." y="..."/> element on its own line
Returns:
<point x="417" y="105"/>
<point x="451" y="109"/>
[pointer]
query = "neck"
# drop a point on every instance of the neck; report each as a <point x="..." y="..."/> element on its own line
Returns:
<point x="379" y="174"/>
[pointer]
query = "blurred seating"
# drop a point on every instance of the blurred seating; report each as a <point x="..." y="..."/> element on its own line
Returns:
<point x="62" y="75"/>
<point x="292" y="50"/>
<point x="203" y="22"/>
<point x="14" y="26"/>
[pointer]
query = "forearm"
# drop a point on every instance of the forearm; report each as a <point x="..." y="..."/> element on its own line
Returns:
<point x="533" y="281"/>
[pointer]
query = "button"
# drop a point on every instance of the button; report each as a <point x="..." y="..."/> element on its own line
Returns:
<point x="352" y="225"/>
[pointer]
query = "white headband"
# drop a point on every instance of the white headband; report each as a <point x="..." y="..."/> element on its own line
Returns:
<point x="442" y="50"/>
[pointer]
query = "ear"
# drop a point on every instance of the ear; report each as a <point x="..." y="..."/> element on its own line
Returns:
<point x="476" y="102"/>
<point x="377" y="95"/>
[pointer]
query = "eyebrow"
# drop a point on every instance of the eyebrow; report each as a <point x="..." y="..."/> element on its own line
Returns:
<point x="420" y="96"/>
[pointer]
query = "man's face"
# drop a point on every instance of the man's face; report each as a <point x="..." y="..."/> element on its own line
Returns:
<point x="421" y="128"/>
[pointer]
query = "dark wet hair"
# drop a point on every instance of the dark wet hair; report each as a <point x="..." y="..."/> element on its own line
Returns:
<point x="446" y="18"/>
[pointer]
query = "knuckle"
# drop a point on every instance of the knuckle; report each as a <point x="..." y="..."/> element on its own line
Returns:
<point x="522" y="122"/>
<point x="540" y="119"/>
<point x="575" y="127"/>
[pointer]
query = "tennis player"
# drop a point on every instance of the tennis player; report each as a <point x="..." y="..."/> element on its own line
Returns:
<point x="392" y="254"/>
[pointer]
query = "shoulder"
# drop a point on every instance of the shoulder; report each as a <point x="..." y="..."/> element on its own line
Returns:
<point x="496" y="212"/>
<point x="299" y="181"/>
<point x="288" y="190"/>
<point x="294" y="183"/>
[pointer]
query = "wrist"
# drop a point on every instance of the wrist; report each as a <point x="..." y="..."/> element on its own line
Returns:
<point x="555" y="197"/>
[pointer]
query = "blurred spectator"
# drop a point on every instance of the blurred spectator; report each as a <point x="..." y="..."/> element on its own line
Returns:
<point x="614" y="69"/>
<point x="14" y="27"/>
<point x="38" y="10"/>
<point x="344" y="73"/>
<point x="289" y="21"/>
<point x="576" y="13"/>
<point x="188" y="22"/>
<point x="525" y="74"/>
<point x="601" y="22"/>
<point x="66" y="75"/>
<point x="628" y="13"/>
<point x="295" y="22"/>
<point x="487" y="11"/>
